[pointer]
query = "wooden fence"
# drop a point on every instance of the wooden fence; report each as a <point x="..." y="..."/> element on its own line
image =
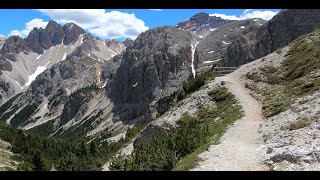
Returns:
<point x="221" y="71"/>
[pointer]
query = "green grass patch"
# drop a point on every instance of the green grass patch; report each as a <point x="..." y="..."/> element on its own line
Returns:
<point x="254" y="76"/>
<point x="274" y="103"/>
<point x="17" y="157"/>
<point x="269" y="150"/>
<point x="301" y="123"/>
<point x="87" y="61"/>
<point x="304" y="57"/>
<point x="296" y="76"/>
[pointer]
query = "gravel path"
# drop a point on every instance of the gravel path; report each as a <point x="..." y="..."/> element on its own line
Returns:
<point x="241" y="146"/>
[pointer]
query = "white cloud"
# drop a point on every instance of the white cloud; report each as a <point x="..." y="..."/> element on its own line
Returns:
<point x="112" y="24"/>
<point x="263" y="14"/>
<point x="247" y="10"/>
<point x="15" y="33"/>
<point x="249" y="13"/>
<point x="29" y="26"/>
<point x="224" y="16"/>
<point x="2" y="36"/>
<point x="155" y="9"/>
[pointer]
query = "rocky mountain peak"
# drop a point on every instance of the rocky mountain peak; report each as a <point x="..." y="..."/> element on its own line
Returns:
<point x="41" y="39"/>
<point x="2" y="40"/>
<point x="111" y="42"/>
<point x="202" y="24"/>
<point x="14" y="44"/>
<point x="127" y="42"/>
<point x="54" y="33"/>
<point x="72" y="33"/>
<point x="52" y="25"/>
<point x="152" y="67"/>
<point x="163" y="35"/>
<point x="200" y="17"/>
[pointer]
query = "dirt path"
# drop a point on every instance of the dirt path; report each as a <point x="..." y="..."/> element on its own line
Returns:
<point x="240" y="147"/>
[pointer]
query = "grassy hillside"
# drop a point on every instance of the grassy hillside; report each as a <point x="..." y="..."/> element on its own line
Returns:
<point x="298" y="75"/>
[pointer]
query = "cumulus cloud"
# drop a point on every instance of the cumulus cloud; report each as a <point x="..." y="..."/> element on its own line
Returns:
<point x="263" y="14"/>
<point x="29" y="26"/>
<point x="224" y="16"/>
<point x="104" y="24"/>
<point x="249" y="13"/>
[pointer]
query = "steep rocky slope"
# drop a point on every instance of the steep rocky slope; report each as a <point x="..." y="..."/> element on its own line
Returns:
<point x="283" y="28"/>
<point x="68" y="100"/>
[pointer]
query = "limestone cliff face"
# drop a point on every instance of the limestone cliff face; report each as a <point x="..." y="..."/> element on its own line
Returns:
<point x="154" y="66"/>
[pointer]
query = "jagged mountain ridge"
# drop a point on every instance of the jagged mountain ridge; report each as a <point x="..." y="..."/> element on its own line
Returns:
<point x="162" y="54"/>
<point x="21" y="60"/>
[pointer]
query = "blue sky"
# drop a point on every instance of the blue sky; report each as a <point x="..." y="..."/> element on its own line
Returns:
<point x="113" y="23"/>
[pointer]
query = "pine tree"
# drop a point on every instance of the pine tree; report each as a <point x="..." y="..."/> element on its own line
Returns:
<point x="38" y="162"/>
<point x="93" y="148"/>
<point x="84" y="149"/>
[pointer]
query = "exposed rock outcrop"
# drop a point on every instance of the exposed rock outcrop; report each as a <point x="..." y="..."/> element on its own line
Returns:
<point x="127" y="42"/>
<point x="72" y="33"/>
